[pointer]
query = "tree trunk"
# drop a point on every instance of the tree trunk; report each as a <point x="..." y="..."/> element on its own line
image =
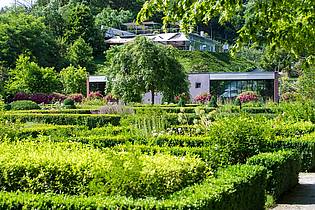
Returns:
<point x="152" y="97"/>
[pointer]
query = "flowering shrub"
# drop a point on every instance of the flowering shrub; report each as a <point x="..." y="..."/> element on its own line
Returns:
<point x="182" y="96"/>
<point x="39" y="97"/>
<point x="95" y="95"/>
<point x="248" y="96"/>
<point x="203" y="98"/>
<point x="76" y="97"/>
<point x="110" y="98"/>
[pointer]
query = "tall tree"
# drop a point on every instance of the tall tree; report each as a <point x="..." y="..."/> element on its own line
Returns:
<point x="21" y="33"/>
<point x="142" y="66"/>
<point x="279" y="24"/>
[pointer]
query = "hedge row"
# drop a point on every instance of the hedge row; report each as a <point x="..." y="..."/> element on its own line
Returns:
<point x="236" y="187"/>
<point x="283" y="170"/>
<point x="21" y="131"/>
<point x="57" y="111"/>
<point x="305" y="145"/>
<point x="173" y="109"/>
<point x="71" y="169"/>
<point x="89" y="120"/>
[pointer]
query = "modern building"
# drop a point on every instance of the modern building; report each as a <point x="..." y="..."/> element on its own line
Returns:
<point x="226" y="86"/>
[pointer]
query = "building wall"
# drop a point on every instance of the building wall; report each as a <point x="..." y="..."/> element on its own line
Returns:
<point x="197" y="89"/>
<point x="146" y="99"/>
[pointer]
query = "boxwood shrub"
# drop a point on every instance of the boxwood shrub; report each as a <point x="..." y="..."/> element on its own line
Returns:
<point x="40" y="167"/>
<point x="24" y="105"/>
<point x="282" y="168"/>
<point x="236" y="187"/>
<point x="89" y="120"/>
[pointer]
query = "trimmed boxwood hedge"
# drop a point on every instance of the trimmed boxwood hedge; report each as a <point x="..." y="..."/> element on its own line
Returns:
<point x="89" y="120"/>
<point x="75" y="170"/>
<point x="236" y="187"/>
<point x="283" y="170"/>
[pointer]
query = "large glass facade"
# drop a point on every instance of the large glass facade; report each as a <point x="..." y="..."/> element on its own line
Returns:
<point x="230" y="89"/>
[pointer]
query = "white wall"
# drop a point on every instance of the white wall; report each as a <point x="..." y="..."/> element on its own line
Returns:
<point x="146" y="99"/>
<point x="204" y="79"/>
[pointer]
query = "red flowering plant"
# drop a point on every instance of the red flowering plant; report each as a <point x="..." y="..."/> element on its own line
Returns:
<point x="182" y="96"/>
<point x="110" y="98"/>
<point x="95" y="95"/>
<point x="203" y="98"/>
<point x="76" y="97"/>
<point x="248" y="96"/>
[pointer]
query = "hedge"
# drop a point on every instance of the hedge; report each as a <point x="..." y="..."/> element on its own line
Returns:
<point x="71" y="169"/>
<point x="236" y="187"/>
<point x="173" y="109"/>
<point x="89" y="120"/>
<point x="305" y="145"/>
<point x="283" y="170"/>
<point x="21" y="131"/>
<point x="57" y="111"/>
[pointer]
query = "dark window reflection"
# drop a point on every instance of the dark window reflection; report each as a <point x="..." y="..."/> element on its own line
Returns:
<point x="230" y="89"/>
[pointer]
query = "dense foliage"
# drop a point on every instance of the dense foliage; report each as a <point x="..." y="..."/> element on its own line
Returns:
<point x="142" y="66"/>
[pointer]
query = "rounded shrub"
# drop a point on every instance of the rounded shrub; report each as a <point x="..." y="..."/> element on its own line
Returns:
<point x="24" y="105"/>
<point x="69" y="103"/>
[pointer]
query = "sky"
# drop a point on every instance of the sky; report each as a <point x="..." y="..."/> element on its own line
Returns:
<point x="4" y="3"/>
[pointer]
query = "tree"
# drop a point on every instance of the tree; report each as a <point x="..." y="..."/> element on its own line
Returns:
<point x="142" y="66"/>
<point x="73" y="79"/>
<point x="112" y="18"/>
<point x="20" y="33"/>
<point x="80" y="23"/>
<point x="81" y="54"/>
<point x="279" y="24"/>
<point x="28" y="77"/>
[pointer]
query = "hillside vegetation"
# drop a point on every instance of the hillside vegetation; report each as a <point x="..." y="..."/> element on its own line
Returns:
<point x="198" y="61"/>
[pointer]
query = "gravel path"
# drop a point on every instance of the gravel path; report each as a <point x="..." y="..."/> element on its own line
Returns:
<point x="302" y="197"/>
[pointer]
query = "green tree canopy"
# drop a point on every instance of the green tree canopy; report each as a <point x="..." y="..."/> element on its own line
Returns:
<point x="81" y="54"/>
<point x="112" y="18"/>
<point x="142" y="66"/>
<point x="279" y="24"/>
<point x="73" y="79"/>
<point x="31" y="78"/>
<point x="21" y="33"/>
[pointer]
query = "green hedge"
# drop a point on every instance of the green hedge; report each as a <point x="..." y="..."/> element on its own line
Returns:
<point x="57" y="111"/>
<point x="305" y="145"/>
<point x="236" y="187"/>
<point x="71" y="169"/>
<point x="173" y="109"/>
<point x="24" y="105"/>
<point x="283" y="170"/>
<point x="21" y="131"/>
<point x="90" y="120"/>
<point x="212" y="155"/>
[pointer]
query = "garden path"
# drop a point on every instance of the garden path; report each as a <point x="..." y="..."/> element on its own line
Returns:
<point x="302" y="196"/>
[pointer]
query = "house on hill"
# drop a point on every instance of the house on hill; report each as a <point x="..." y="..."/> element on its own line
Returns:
<point x="178" y="40"/>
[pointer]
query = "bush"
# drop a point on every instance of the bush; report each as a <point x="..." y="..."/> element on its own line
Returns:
<point x="202" y="98"/>
<point x="248" y="96"/>
<point x="24" y="105"/>
<point x="283" y="170"/>
<point x="73" y="79"/>
<point x="305" y="145"/>
<point x="237" y="187"/>
<point x="39" y="97"/>
<point x="89" y="120"/>
<point x="69" y="103"/>
<point x="76" y="170"/>
<point x="76" y="97"/>
<point x="29" y="77"/>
